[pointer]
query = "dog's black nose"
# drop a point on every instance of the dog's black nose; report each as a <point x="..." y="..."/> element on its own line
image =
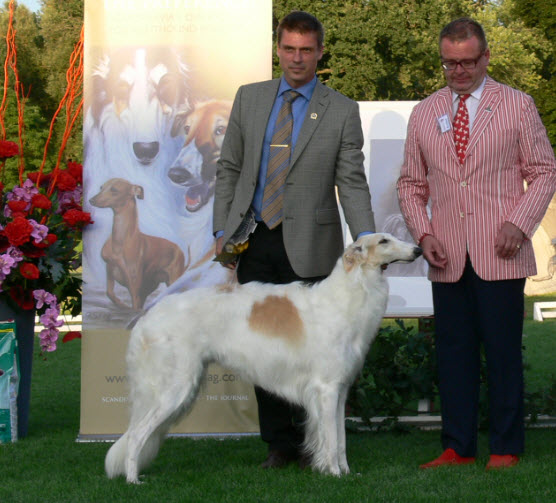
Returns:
<point x="146" y="151"/>
<point x="179" y="175"/>
<point x="417" y="251"/>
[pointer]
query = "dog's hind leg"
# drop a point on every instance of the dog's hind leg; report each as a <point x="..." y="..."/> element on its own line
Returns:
<point x="145" y="435"/>
<point x="341" y="427"/>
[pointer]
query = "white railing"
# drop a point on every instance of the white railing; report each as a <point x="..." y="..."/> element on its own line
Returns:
<point x="542" y="310"/>
<point x="70" y="323"/>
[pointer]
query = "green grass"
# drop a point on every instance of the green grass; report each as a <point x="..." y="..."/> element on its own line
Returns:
<point x="50" y="466"/>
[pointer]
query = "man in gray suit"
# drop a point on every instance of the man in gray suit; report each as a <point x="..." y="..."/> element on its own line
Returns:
<point x="303" y="240"/>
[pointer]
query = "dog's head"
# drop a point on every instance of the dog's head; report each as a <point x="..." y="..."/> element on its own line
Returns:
<point x="135" y="95"/>
<point x="116" y="193"/>
<point x="204" y="128"/>
<point x="375" y="251"/>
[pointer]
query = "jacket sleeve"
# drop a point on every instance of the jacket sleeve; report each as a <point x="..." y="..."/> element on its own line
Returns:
<point x="412" y="185"/>
<point x="229" y="166"/>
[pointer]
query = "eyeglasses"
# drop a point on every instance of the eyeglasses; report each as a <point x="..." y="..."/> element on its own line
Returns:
<point x="466" y="64"/>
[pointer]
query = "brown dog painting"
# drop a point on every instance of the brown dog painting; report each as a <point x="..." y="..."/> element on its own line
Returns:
<point x="135" y="260"/>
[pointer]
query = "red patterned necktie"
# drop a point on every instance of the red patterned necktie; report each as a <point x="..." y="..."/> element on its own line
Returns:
<point x="461" y="127"/>
<point x="278" y="162"/>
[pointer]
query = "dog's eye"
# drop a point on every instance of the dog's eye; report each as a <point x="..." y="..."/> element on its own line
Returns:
<point x="358" y="249"/>
<point x="220" y="130"/>
<point x="383" y="241"/>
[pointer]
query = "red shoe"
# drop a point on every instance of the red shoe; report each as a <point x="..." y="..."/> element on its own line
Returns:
<point x="448" y="457"/>
<point x="501" y="461"/>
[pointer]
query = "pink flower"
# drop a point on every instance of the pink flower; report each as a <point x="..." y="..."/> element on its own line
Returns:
<point x="24" y="193"/>
<point x="6" y="263"/>
<point x="43" y="297"/>
<point x="48" y="338"/>
<point x="50" y="318"/>
<point x="40" y="232"/>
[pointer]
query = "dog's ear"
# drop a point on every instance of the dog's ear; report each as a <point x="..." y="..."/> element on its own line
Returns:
<point x="179" y="123"/>
<point x="138" y="192"/>
<point x="353" y="255"/>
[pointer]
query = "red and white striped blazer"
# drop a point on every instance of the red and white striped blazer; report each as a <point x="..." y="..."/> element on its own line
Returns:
<point x="470" y="202"/>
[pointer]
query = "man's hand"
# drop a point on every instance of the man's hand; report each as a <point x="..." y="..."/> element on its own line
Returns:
<point x="433" y="252"/>
<point x="508" y="242"/>
<point x="219" y="246"/>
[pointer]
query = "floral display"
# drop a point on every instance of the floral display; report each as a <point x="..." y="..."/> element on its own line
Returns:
<point x="40" y="239"/>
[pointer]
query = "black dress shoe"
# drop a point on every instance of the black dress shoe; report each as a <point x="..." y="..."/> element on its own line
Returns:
<point x="278" y="459"/>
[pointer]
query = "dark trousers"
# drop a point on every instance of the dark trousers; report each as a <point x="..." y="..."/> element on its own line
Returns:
<point x="281" y="423"/>
<point x="469" y="313"/>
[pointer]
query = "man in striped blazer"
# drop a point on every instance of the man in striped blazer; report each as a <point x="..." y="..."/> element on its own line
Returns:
<point x="487" y="197"/>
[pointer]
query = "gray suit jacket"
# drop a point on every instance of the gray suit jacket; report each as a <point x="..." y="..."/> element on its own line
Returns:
<point x="327" y="155"/>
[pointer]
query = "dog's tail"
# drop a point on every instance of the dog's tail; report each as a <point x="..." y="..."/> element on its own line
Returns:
<point x="114" y="464"/>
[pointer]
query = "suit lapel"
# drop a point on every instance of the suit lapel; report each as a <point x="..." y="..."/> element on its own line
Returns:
<point x="315" y="113"/>
<point x="490" y="100"/>
<point x="264" y="101"/>
<point x="443" y="107"/>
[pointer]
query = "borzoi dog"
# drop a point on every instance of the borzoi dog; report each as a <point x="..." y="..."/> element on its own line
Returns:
<point x="304" y="343"/>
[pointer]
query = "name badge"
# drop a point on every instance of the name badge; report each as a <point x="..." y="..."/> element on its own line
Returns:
<point x="444" y="123"/>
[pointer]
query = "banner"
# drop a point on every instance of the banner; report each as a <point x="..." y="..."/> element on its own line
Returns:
<point x="384" y="128"/>
<point x="160" y="77"/>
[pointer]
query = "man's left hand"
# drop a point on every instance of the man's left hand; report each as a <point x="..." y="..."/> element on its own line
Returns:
<point x="509" y="240"/>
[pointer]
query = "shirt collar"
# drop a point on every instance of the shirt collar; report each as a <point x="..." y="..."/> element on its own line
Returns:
<point x="305" y="90"/>
<point x="476" y="93"/>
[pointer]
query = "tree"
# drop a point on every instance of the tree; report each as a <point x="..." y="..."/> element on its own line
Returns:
<point x="541" y="15"/>
<point x="388" y="49"/>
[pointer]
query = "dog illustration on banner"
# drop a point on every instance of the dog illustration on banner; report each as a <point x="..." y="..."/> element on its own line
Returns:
<point x="303" y="343"/>
<point x="137" y="105"/>
<point x="204" y="127"/>
<point x="135" y="260"/>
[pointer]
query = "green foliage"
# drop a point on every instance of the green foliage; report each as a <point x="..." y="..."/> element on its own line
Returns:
<point x="388" y="49"/>
<point x="400" y="368"/>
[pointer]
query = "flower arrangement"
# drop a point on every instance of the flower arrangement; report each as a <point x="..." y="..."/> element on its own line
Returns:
<point x="40" y="235"/>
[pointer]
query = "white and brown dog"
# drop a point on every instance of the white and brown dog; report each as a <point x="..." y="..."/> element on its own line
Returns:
<point x="304" y="343"/>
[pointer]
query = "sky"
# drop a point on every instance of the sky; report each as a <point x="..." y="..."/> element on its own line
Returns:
<point x="32" y="5"/>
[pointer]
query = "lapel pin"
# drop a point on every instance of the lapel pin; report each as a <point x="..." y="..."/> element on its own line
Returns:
<point x="488" y="109"/>
<point x="314" y="116"/>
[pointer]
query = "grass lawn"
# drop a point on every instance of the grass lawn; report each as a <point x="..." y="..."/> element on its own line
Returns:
<point x="50" y="466"/>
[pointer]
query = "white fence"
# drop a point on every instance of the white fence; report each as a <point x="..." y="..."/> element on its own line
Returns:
<point x="70" y="323"/>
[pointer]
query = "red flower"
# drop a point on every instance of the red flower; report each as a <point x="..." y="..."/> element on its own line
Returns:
<point x="76" y="170"/>
<point x="48" y="241"/>
<point x="76" y="218"/>
<point x="71" y="335"/>
<point x="18" y="208"/>
<point x="45" y="178"/>
<point x="41" y="201"/>
<point x="29" y="271"/>
<point x="65" y="181"/>
<point x="23" y="298"/>
<point x="8" y="149"/>
<point x="19" y="231"/>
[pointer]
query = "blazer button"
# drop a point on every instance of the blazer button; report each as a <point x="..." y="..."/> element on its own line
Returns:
<point x="464" y="184"/>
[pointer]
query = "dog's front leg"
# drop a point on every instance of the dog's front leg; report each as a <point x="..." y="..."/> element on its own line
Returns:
<point x="110" y="286"/>
<point x="326" y="456"/>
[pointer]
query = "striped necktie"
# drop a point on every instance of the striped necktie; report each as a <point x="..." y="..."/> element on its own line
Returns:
<point x="461" y="127"/>
<point x="278" y="163"/>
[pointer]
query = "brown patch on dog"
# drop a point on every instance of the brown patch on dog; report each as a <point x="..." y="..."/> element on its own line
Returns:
<point x="277" y="317"/>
